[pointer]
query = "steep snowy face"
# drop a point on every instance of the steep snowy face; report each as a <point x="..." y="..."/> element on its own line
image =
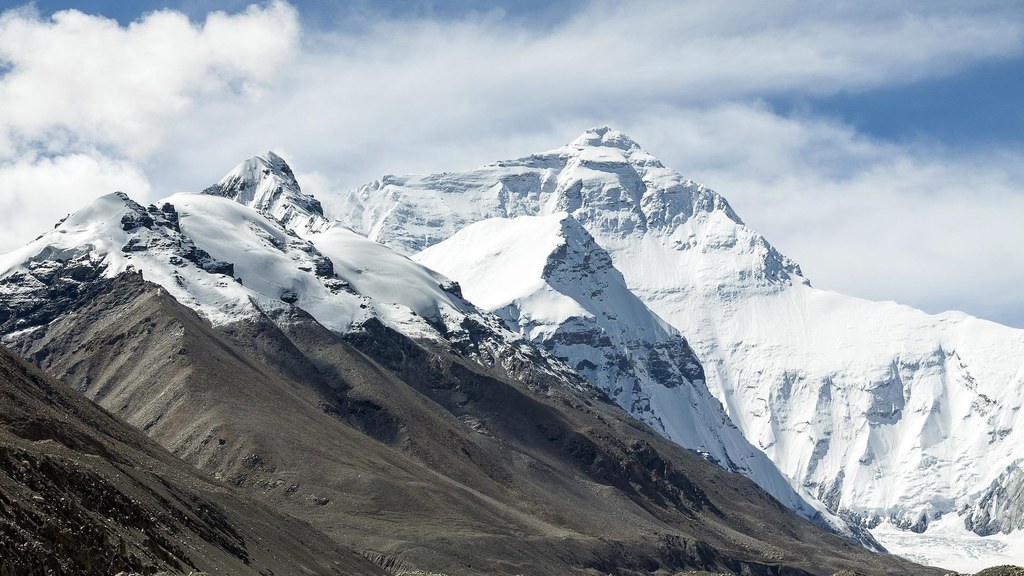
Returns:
<point x="551" y="282"/>
<point x="1000" y="507"/>
<point x="880" y="410"/>
<point x="548" y="279"/>
<point x="267" y="184"/>
<point x="877" y="408"/>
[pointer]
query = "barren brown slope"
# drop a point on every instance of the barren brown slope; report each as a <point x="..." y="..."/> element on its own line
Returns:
<point x="420" y="457"/>
<point x="84" y="493"/>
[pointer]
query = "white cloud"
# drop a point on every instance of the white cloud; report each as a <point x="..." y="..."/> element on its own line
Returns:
<point x="420" y="95"/>
<point x="35" y="192"/>
<point x="80" y="80"/>
<point x="181" y="102"/>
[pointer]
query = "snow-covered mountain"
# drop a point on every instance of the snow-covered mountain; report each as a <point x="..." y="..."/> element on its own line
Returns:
<point x="254" y="262"/>
<point x="548" y="279"/>
<point x="884" y="412"/>
<point x="551" y="282"/>
<point x="598" y="253"/>
<point x="266" y="246"/>
<point x="409" y="373"/>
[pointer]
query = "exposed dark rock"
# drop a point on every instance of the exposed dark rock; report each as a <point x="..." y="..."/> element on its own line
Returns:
<point x="52" y="280"/>
<point x="1000" y="508"/>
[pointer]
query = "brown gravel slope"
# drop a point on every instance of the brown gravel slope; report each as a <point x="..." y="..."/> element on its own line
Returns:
<point x="84" y="493"/>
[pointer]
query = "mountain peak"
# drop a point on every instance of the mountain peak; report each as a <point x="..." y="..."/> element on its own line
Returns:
<point x="266" y="182"/>
<point x="604" y="136"/>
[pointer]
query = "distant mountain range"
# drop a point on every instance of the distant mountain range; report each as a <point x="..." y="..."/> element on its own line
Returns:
<point x="544" y="366"/>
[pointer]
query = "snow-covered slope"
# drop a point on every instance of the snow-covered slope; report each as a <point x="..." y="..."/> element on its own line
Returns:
<point x="238" y="256"/>
<point x="550" y="281"/>
<point x="882" y="411"/>
<point x="104" y="239"/>
<point x="258" y="263"/>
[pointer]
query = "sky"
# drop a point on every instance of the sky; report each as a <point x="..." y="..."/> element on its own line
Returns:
<point x="878" y="144"/>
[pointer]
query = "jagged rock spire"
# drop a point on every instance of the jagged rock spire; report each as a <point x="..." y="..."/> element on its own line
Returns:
<point x="267" y="183"/>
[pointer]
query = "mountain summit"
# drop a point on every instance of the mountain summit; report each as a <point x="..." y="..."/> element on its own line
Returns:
<point x="604" y="136"/>
<point x="267" y="184"/>
<point x="606" y="181"/>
